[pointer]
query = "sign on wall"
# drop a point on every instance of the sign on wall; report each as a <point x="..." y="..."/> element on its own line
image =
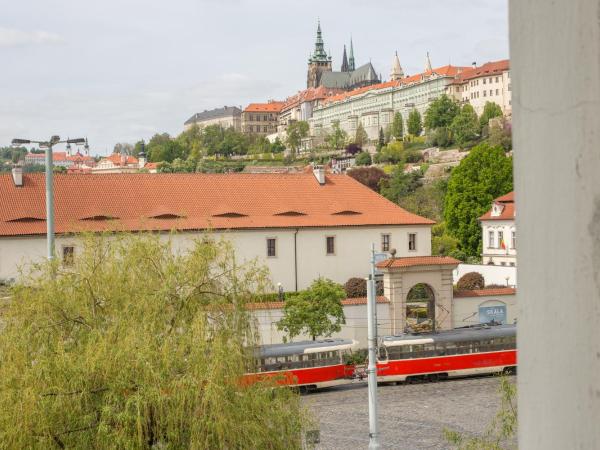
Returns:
<point x="496" y="314"/>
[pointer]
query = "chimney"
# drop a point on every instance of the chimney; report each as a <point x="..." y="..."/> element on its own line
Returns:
<point x="474" y="64"/>
<point x="319" y="173"/>
<point x="17" y="174"/>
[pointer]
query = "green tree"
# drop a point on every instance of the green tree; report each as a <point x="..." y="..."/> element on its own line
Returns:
<point x="380" y="139"/>
<point x="162" y="147"/>
<point x="337" y="138"/>
<point x="414" y="125"/>
<point x="296" y="131"/>
<point x="442" y="244"/>
<point x="500" y="134"/>
<point x="465" y="126"/>
<point x="400" y="184"/>
<point x="427" y="200"/>
<point x="277" y="146"/>
<point x="479" y="178"/>
<point x="441" y="112"/>
<point x="363" y="159"/>
<point x="317" y="311"/>
<point x="397" y="126"/>
<point x="361" y="137"/>
<point x="391" y="153"/>
<point x="490" y="110"/>
<point x="139" y="346"/>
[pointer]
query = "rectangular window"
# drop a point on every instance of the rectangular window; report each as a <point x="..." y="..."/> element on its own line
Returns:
<point x="485" y="93"/>
<point x="68" y="255"/>
<point x="513" y="239"/>
<point x="484" y="81"/>
<point x="490" y="80"/>
<point x="412" y="241"/>
<point x="491" y="92"/>
<point x="385" y="242"/>
<point x="271" y="247"/>
<point x="330" y="245"/>
<point x="497" y="79"/>
<point x="501" y="243"/>
<point x="266" y="118"/>
<point x="497" y="91"/>
<point x="490" y="239"/>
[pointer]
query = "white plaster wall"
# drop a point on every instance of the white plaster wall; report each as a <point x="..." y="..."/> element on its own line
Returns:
<point x="556" y="130"/>
<point x="491" y="274"/>
<point x="355" y="328"/>
<point x="465" y="310"/>
<point x="351" y="258"/>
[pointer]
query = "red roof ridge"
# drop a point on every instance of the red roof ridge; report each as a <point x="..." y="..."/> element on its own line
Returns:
<point x="486" y="292"/>
<point x="345" y="302"/>
<point x="411" y="261"/>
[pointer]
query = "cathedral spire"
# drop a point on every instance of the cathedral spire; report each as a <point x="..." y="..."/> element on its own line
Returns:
<point x="319" y="53"/>
<point x="397" y="73"/>
<point x="428" y="64"/>
<point x="344" y="61"/>
<point x="351" y="66"/>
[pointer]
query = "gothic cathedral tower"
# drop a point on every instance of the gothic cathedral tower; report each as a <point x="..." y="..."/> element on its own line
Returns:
<point x="318" y="62"/>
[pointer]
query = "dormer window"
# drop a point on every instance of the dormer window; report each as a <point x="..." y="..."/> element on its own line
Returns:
<point x="497" y="209"/>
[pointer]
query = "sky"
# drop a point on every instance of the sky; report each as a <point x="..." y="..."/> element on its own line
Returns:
<point x="123" y="70"/>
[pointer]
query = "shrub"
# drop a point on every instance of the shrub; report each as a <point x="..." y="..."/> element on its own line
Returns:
<point x="363" y="159"/>
<point x="495" y="286"/>
<point x="356" y="287"/>
<point x="470" y="281"/>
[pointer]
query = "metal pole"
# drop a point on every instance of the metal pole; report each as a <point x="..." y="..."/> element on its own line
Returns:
<point x="49" y="202"/>
<point x="372" y="367"/>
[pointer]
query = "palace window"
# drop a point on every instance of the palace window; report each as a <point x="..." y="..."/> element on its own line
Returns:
<point x="497" y="79"/>
<point x="501" y="239"/>
<point x="485" y="93"/>
<point x="330" y="245"/>
<point x="412" y="241"/>
<point x="271" y="247"/>
<point x="484" y="81"/>
<point x="491" y="239"/>
<point x="385" y="242"/>
<point x="497" y="91"/>
<point x="513" y="239"/>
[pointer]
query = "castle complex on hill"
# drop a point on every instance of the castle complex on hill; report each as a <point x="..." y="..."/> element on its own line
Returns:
<point x="349" y="77"/>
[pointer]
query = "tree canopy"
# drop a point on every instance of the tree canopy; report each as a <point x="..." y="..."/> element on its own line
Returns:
<point x="413" y="124"/>
<point x="479" y="178"/>
<point x="465" y="125"/>
<point x="397" y="129"/>
<point x="296" y="131"/>
<point x="317" y="311"/>
<point x="139" y="346"/>
<point x="369" y="176"/>
<point x="360" y="137"/>
<point x="441" y="112"/>
<point x="400" y="184"/>
<point x="337" y="138"/>
<point x="490" y="110"/>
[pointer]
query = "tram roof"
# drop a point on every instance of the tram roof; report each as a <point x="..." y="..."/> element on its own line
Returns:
<point x="296" y="348"/>
<point x="457" y="335"/>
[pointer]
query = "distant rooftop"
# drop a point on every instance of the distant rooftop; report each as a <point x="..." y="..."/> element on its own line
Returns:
<point x="216" y="113"/>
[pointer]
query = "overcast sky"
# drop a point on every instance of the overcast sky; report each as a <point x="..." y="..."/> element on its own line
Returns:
<point x="122" y="70"/>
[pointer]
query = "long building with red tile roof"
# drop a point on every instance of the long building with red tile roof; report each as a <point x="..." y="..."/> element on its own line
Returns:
<point x="296" y="225"/>
<point x="374" y="106"/>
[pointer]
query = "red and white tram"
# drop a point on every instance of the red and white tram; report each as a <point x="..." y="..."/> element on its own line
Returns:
<point x="307" y="364"/>
<point x="459" y="352"/>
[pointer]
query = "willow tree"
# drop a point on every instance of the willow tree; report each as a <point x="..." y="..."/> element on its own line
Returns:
<point x="138" y="346"/>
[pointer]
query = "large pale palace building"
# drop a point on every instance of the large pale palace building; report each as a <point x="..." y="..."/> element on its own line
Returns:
<point x="375" y="105"/>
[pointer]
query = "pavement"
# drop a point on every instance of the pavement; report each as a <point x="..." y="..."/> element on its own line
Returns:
<point x="411" y="416"/>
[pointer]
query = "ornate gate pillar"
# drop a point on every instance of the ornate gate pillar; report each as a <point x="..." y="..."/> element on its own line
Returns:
<point x="401" y="274"/>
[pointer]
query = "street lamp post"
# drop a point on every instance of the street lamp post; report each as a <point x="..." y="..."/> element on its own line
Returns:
<point x="49" y="183"/>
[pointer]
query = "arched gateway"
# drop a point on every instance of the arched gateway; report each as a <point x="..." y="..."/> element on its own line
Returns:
<point x="428" y="277"/>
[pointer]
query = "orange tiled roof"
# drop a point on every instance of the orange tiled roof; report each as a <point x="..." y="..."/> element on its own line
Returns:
<point x="264" y="107"/>
<point x="508" y="212"/>
<point x="490" y="68"/>
<point x="115" y="158"/>
<point x="252" y="201"/>
<point x="310" y="94"/>
<point x="412" y="261"/>
<point x="486" y="292"/>
<point x="346" y="302"/>
<point x="445" y="71"/>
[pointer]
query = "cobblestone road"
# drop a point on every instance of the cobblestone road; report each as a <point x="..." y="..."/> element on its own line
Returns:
<point x="410" y="416"/>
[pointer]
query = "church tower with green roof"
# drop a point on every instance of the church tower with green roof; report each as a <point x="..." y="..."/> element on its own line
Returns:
<point x="318" y="62"/>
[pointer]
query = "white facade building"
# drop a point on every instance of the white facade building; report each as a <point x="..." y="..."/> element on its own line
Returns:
<point x="374" y="106"/>
<point x="487" y="83"/>
<point x="499" y="232"/>
<point x="297" y="226"/>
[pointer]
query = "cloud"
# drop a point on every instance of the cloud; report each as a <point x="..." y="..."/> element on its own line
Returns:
<point x="10" y="37"/>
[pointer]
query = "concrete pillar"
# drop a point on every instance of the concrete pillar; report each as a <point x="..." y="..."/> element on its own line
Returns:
<point x="555" y="71"/>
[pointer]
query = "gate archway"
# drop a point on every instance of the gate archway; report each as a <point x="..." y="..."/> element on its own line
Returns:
<point x="420" y="308"/>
